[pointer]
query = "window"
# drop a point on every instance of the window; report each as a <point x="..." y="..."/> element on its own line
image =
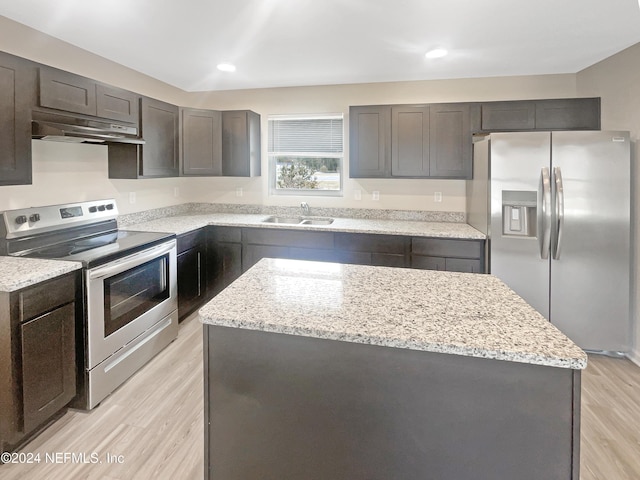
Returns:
<point x="305" y="154"/>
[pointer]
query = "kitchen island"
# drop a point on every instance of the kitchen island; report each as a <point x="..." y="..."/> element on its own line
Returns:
<point x="331" y="371"/>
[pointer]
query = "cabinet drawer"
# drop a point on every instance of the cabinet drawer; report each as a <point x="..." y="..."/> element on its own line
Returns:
<point x="45" y="296"/>
<point x="428" y="263"/>
<point x="363" y="242"/>
<point x="225" y="234"/>
<point x="355" y="258"/>
<point x="292" y="238"/>
<point x="252" y="254"/>
<point x="446" y="247"/>
<point x="388" y="260"/>
<point x="312" y="254"/>
<point x="467" y="265"/>
<point x="190" y="240"/>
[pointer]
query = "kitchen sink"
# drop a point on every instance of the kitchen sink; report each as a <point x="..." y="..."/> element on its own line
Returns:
<point x="317" y="221"/>
<point x="299" y="220"/>
<point x="289" y="220"/>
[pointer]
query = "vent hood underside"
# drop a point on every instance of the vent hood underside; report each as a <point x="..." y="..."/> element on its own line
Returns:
<point x="62" y="128"/>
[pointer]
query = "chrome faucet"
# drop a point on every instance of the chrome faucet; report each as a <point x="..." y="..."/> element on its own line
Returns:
<point x="304" y="209"/>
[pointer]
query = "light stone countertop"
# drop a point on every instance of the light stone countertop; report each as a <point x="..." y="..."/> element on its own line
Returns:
<point x="180" y="224"/>
<point x="19" y="272"/>
<point x="456" y="313"/>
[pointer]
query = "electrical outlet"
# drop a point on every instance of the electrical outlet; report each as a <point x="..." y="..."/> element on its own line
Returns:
<point x="437" y="197"/>
<point x="132" y="197"/>
<point x="176" y="192"/>
<point x="357" y="194"/>
<point x="375" y="195"/>
<point x="239" y="192"/>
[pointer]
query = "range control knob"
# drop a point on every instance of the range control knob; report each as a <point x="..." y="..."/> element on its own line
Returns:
<point x="20" y="219"/>
<point x="34" y="217"/>
<point x="101" y="208"/>
<point x="109" y="206"/>
<point x="93" y="209"/>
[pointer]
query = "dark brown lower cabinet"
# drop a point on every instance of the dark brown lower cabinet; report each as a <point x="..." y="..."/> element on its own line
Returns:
<point x="37" y="356"/>
<point x="452" y="255"/>
<point x="469" y="265"/>
<point x="48" y="364"/>
<point x="233" y="250"/>
<point x="224" y="257"/>
<point x="349" y="411"/>
<point x="372" y="249"/>
<point x="192" y="277"/>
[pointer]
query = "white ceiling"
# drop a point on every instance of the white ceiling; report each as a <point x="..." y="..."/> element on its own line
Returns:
<point x="276" y="43"/>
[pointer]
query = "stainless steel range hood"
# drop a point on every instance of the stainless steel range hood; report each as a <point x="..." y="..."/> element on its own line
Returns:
<point x="71" y="129"/>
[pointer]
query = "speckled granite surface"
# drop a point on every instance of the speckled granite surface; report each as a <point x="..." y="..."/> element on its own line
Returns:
<point x="184" y="223"/>
<point x="18" y="272"/>
<point x="240" y="209"/>
<point x="455" y="313"/>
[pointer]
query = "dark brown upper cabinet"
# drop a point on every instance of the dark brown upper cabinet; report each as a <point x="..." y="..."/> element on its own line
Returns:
<point x="117" y="104"/>
<point x="17" y="82"/>
<point x="450" y="141"/>
<point x="200" y="142"/>
<point x="568" y="114"/>
<point x="68" y="92"/>
<point x="370" y="141"/>
<point x="421" y="141"/>
<point x="410" y="133"/>
<point x="508" y="116"/>
<point x="241" y="144"/>
<point x="531" y="115"/>
<point x="158" y="157"/>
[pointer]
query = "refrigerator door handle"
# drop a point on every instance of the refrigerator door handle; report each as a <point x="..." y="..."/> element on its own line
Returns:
<point x="557" y="173"/>
<point x="544" y="215"/>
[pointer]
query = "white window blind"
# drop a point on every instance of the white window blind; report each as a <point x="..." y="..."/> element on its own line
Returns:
<point x="313" y="136"/>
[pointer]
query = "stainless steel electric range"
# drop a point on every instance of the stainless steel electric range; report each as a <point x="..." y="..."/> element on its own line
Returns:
<point x="129" y="291"/>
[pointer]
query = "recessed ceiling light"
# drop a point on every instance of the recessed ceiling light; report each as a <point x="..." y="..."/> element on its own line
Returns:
<point x="226" y="67"/>
<point x="436" y="53"/>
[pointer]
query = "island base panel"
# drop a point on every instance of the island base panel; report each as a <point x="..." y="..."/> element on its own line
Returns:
<point x="283" y="406"/>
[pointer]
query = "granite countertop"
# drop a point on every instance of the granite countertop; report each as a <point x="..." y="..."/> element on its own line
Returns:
<point x="455" y="313"/>
<point x="180" y="224"/>
<point x="19" y="272"/>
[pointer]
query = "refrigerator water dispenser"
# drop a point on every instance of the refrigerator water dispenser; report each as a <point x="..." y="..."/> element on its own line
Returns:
<point x="519" y="213"/>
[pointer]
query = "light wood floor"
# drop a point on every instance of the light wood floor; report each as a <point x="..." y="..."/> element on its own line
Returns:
<point x="155" y="421"/>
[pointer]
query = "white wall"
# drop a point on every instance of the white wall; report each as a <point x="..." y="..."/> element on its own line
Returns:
<point x="396" y="193"/>
<point x="617" y="80"/>
<point x="76" y="172"/>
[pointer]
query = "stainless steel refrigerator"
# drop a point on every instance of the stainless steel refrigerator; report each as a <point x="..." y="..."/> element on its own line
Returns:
<point x="556" y="209"/>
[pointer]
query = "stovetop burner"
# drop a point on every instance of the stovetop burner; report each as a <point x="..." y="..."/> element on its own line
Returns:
<point x="74" y="247"/>
<point x="101" y="249"/>
<point x="84" y="232"/>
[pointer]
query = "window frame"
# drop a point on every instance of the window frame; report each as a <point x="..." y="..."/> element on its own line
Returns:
<point x="272" y="158"/>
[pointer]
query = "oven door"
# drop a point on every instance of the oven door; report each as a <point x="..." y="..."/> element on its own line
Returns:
<point x="127" y="297"/>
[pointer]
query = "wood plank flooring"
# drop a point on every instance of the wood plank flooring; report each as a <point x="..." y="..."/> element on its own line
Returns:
<point x="155" y="422"/>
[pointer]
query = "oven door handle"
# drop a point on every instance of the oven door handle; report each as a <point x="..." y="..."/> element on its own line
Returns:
<point x="126" y="263"/>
